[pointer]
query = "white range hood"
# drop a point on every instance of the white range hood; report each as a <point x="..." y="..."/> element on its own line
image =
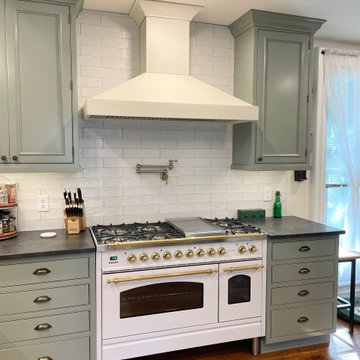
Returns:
<point x="164" y="89"/>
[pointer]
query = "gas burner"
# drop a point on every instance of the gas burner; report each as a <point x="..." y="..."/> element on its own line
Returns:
<point x="235" y="226"/>
<point x="113" y="234"/>
<point x="158" y="237"/>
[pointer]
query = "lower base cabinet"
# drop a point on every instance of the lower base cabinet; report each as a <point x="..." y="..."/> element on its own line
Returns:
<point x="48" y="308"/>
<point x="301" y="288"/>
<point x="65" y="350"/>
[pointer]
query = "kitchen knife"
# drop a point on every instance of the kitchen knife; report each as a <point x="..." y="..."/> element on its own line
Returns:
<point x="69" y="195"/>
<point x="65" y="195"/>
<point x="80" y="195"/>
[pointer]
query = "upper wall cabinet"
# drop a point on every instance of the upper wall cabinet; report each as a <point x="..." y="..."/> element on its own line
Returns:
<point x="37" y="69"/>
<point x="273" y="71"/>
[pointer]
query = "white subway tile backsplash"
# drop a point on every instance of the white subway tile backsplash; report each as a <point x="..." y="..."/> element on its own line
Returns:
<point x="201" y="183"/>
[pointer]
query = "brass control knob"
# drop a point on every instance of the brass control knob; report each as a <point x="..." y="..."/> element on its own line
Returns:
<point x="178" y="254"/>
<point x="222" y="251"/>
<point x="200" y="252"/>
<point x="132" y="258"/>
<point x="242" y="249"/>
<point x="211" y="252"/>
<point x="167" y="255"/>
<point x="252" y="248"/>
<point x="189" y="253"/>
<point x="144" y="257"/>
<point x="155" y="256"/>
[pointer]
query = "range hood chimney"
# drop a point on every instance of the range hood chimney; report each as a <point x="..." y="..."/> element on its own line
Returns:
<point x="164" y="89"/>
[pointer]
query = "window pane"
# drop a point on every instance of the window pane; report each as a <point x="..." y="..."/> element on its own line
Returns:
<point x="161" y="298"/>
<point x="239" y="289"/>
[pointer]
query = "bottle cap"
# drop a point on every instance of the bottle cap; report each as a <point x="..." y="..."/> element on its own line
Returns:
<point x="277" y="193"/>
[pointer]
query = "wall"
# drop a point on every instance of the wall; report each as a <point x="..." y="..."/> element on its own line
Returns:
<point x="201" y="184"/>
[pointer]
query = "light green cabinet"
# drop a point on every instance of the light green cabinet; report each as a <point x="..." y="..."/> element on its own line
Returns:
<point x="272" y="70"/>
<point x="48" y="308"/>
<point x="37" y="65"/>
<point x="301" y="293"/>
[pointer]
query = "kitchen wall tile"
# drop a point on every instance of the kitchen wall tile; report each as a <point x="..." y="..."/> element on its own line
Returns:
<point x="201" y="183"/>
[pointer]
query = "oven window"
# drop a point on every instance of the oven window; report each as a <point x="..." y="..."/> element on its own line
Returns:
<point x="239" y="288"/>
<point x="161" y="298"/>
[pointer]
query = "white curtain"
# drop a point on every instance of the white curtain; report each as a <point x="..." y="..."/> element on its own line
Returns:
<point x="342" y="100"/>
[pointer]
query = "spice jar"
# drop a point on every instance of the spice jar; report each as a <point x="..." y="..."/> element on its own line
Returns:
<point x="12" y="224"/>
<point x="3" y="196"/>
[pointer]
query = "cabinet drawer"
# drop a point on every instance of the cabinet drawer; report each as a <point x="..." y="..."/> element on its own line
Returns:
<point x="19" y="330"/>
<point x="303" y="249"/>
<point x="64" y="350"/>
<point x="302" y="320"/>
<point x="303" y="271"/>
<point x="44" y="271"/>
<point x="294" y="294"/>
<point x="44" y="299"/>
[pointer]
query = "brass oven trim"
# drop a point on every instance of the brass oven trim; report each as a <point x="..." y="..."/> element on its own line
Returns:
<point x="239" y="268"/>
<point x="161" y="276"/>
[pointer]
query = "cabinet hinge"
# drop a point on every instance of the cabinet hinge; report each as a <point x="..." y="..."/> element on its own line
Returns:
<point x="305" y="152"/>
<point x="307" y="99"/>
<point x="309" y="45"/>
<point x="69" y="18"/>
<point x="71" y="85"/>
<point x="73" y="152"/>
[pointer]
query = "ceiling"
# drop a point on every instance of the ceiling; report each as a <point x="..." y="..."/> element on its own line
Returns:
<point x="342" y="16"/>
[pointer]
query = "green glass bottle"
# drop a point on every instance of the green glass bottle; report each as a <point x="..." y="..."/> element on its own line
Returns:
<point x="277" y="205"/>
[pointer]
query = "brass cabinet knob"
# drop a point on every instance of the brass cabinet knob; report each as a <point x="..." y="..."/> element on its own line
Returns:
<point x="211" y="252"/>
<point x="260" y="158"/>
<point x="155" y="256"/>
<point x="167" y="255"/>
<point x="222" y="251"/>
<point x="3" y="157"/>
<point x="131" y="258"/>
<point x="15" y="158"/>
<point x="200" y="252"/>
<point x="242" y="249"/>
<point x="144" y="257"/>
<point x="189" y="253"/>
<point x="178" y="254"/>
<point x="252" y="248"/>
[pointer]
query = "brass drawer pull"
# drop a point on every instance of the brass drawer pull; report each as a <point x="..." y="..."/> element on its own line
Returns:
<point x="305" y="248"/>
<point x="42" y="327"/>
<point x="42" y="271"/>
<point x="160" y="276"/>
<point x="45" y="358"/>
<point x="304" y="271"/>
<point x="42" y="299"/>
<point x="303" y="292"/>
<point x="302" y="319"/>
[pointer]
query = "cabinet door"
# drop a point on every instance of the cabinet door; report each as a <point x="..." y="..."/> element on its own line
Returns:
<point x="282" y="89"/>
<point x="4" y="130"/>
<point x="39" y="74"/>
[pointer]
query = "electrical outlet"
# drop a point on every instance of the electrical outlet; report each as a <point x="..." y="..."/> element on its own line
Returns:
<point x="267" y="193"/>
<point x="43" y="203"/>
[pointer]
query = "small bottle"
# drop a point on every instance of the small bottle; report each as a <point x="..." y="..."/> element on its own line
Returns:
<point x="277" y="205"/>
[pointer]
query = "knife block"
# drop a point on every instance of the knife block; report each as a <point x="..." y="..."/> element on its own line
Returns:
<point x="75" y="224"/>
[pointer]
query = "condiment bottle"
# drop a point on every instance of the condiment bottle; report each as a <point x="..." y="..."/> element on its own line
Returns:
<point x="277" y="205"/>
<point x="11" y="192"/>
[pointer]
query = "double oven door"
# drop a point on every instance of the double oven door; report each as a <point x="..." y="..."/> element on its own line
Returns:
<point x="166" y="299"/>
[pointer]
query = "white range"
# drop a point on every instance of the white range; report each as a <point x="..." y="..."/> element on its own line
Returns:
<point x="178" y="284"/>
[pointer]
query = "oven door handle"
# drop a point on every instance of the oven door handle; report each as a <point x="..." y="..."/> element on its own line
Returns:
<point x="160" y="276"/>
<point x="239" y="268"/>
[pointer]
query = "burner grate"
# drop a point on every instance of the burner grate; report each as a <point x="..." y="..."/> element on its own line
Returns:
<point x="234" y="226"/>
<point x="106" y="234"/>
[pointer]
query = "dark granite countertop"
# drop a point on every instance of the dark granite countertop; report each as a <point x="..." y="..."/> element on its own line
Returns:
<point x="30" y="244"/>
<point x="292" y="226"/>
